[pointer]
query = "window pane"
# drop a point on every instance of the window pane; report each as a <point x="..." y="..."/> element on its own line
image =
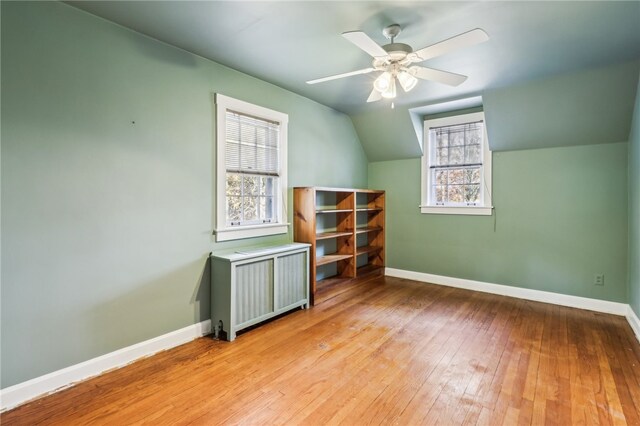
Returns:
<point x="456" y="155"/>
<point x="234" y="209"/>
<point x="442" y="140"/>
<point x="472" y="175"/>
<point x="266" y="185"/>
<point x="250" y="205"/>
<point x="440" y="193"/>
<point x="442" y="156"/>
<point x="250" y="185"/>
<point x="270" y="211"/>
<point x="441" y="177"/>
<point x="472" y="154"/>
<point x="456" y="136"/>
<point x="266" y="208"/>
<point x="456" y="176"/>
<point x="474" y="134"/>
<point x="234" y="182"/>
<point x="472" y="193"/>
<point x="456" y="194"/>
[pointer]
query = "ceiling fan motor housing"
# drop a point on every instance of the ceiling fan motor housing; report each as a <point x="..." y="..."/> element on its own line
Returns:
<point x="397" y="51"/>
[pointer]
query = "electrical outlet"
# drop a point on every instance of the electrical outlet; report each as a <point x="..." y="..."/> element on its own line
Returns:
<point x="598" y="279"/>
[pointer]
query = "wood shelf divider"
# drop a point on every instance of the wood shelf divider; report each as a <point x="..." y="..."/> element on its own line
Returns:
<point x="322" y="211"/>
<point x="367" y="250"/>
<point x="334" y="234"/>
<point x="376" y="209"/>
<point x="330" y="258"/>
<point x="368" y="229"/>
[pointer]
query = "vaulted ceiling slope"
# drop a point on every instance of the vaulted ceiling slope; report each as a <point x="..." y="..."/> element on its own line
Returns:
<point x="288" y="43"/>
<point x="579" y="108"/>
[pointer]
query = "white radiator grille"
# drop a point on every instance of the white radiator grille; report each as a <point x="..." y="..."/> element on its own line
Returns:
<point x="292" y="277"/>
<point x="254" y="290"/>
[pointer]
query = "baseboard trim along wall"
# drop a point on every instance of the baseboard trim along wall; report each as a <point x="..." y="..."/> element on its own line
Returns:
<point x="520" y="293"/>
<point x="16" y="395"/>
<point x="634" y="322"/>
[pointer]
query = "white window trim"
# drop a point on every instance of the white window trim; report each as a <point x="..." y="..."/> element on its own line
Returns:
<point x="486" y="209"/>
<point x="224" y="232"/>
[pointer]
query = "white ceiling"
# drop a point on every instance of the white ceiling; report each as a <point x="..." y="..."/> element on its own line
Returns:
<point x="287" y="43"/>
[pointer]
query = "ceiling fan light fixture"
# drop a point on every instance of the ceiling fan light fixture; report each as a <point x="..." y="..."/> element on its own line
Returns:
<point x="382" y="83"/>
<point x="390" y="93"/>
<point x="407" y="81"/>
<point x="394" y="61"/>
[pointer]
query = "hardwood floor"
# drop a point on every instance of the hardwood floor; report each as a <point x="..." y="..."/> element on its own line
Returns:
<point x="386" y="351"/>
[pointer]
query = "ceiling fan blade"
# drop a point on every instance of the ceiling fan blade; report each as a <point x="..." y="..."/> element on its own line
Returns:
<point x="346" y="74"/>
<point x="431" y="74"/>
<point x="374" y="96"/>
<point x="365" y="43"/>
<point x="469" y="38"/>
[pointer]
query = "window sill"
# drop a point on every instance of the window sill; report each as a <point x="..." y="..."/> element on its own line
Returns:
<point x="477" y="211"/>
<point x="252" y="231"/>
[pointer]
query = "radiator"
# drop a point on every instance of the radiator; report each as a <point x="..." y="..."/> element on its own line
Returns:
<point x="249" y="286"/>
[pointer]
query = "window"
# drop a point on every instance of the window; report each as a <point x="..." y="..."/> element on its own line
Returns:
<point x="251" y="170"/>
<point x="456" y="166"/>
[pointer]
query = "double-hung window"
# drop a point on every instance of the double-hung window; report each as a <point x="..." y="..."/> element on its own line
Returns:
<point x="456" y="166"/>
<point x="251" y="170"/>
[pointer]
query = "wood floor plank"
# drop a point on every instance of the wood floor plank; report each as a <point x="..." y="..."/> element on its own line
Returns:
<point x="379" y="351"/>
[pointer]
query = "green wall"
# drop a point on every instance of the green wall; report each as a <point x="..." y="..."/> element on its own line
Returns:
<point x="634" y="209"/>
<point x="560" y="217"/>
<point x="106" y="223"/>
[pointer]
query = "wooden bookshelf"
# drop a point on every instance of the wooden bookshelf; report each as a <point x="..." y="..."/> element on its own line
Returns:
<point x="345" y="228"/>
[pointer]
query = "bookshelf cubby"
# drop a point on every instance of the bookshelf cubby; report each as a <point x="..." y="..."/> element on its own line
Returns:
<point x="345" y="228"/>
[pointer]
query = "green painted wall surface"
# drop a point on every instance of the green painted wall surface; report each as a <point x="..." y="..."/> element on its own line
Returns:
<point x="387" y="134"/>
<point x="107" y="179"/>
<point x="634" y="209"/>
<point x="560" y="218"/>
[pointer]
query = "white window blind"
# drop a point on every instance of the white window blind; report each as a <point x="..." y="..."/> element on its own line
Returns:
<point x="251" y="145"/>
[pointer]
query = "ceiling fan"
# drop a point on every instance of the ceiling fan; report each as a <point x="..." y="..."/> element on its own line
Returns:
<point x="395" y="61"/>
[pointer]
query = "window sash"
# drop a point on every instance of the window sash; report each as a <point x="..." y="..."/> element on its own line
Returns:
<point x="468" y="147"/>
<point x="468" y="185"/>
<point x="250" y="199"/>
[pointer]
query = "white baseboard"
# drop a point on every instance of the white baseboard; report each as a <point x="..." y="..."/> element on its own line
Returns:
<point x="604" y="306"/>
<point x="634" y="322"/>
<point x="18" y="394"/>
